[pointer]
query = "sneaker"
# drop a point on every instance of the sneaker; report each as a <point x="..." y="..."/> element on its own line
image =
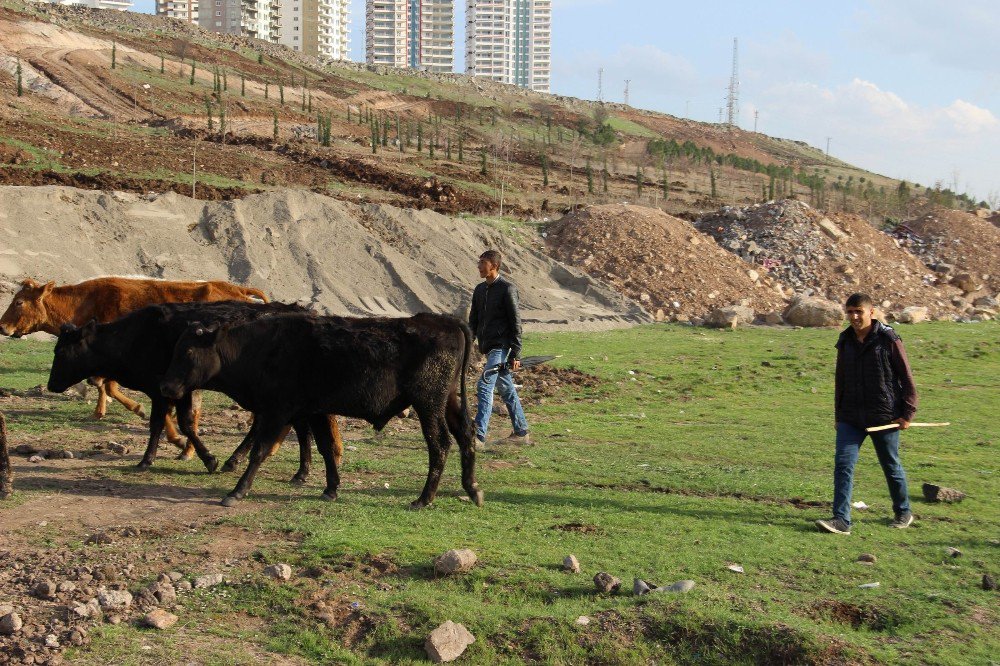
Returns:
<point x="514" y="438"/>
<point x="835" y="525"/>
<point x="902" y="520"/>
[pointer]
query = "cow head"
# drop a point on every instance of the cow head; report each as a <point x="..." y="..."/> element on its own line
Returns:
<point x="27" y="312"/>
<point x="72" y="360"/>
<point x="195" y="362"/>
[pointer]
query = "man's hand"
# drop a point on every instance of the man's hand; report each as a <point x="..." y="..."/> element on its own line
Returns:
<point x="516" y="364"/>
<point x="903" y="423"/>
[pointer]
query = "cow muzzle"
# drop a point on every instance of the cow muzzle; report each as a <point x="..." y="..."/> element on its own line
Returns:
<point x="172" y="389"/>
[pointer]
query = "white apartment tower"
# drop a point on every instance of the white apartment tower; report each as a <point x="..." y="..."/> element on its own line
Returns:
<point x="419" y="34"/>
<point x="260" y="19"/>
<point x="320" y="28"/>
<point x="510" y="41"/>
<point x="182" y="10"/>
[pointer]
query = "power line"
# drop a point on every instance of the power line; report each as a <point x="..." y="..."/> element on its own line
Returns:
<point x="733" y="98"/>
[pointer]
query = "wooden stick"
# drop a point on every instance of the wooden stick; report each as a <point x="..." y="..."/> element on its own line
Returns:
<point x="890" y="426"/>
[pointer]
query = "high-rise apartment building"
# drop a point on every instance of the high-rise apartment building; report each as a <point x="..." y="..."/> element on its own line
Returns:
<point x="510" y="41"/>
<point x="319" y="28"/>
<point x="419" y="34"/>
<point x="120" y="5"/>
<point x="260" y="19"/>
<point x="182" y="10"/>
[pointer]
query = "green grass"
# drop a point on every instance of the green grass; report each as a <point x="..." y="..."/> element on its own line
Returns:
<point x="703" y="457"/>
<point x="628" y="127"/>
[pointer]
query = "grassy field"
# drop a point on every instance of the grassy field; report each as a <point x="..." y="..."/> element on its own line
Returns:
<point x="698" y="449"/>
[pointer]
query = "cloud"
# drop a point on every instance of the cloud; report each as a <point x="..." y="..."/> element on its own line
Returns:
<point x="784" y="57"/>
<point x="879" y="130"/>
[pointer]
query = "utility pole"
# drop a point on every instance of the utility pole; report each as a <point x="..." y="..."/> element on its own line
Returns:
<point x="626" y="91"/>
<point x="733" y="98"/>
<point x="600" y="84"/>
<point x="828" y="146"/>
<point x="687" y="108"/>
<point x="720" y="115"/>
<point x="755" y="114"/>
<point x="194" y="167"/>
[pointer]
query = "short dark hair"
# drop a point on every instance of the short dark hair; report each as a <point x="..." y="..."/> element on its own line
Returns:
<point x="491" y="256"/>
<point x="859" y="301"/>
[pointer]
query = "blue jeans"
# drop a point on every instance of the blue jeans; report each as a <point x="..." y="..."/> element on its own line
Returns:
<point x="504" y="383"/>
<point x="849" y="440"/>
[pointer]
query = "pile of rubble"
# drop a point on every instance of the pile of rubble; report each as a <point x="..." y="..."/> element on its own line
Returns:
<point x="960" y="247"/>
<point x="659" y="260"/>
<point x="832" y="256"/>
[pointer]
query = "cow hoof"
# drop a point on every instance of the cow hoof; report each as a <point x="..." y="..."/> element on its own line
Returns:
<point x="229" y="500"/>
<point x="228" y="467"/>
<point x="419" y="504"/>
<point x="211" y="464"/>
<point x="185" y="455"/>
<point x="140" y="412"/>
<point x="143" y="466"/>
<point x="298" y="480"/>
<point x="477" y="497"/>
<point x="327" y="497"/>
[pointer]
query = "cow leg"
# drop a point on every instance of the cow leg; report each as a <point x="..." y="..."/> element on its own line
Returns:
<point x="241" y="451"/>
<point x="174" y="437"/>
<point x="188" y="449"/>
<point x="461" y="429"/>
<point x="269" y="428"/>
<point x="189" y="426"/>
<point x="325" y="443"/>
<point x="304" y="434"/>
<point x="130" y="405"/>
<point x="156" y="419"/>
<point x="102" y="400"/>
<point x="338" y="442"/>
<point x="435" y="428"/>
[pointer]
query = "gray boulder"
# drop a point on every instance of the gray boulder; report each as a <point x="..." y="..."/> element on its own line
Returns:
<point x="448" y="642"/>
<point x="813" y="311"/>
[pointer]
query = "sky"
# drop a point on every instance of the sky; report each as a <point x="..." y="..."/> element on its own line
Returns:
<point x="909" y="89"/>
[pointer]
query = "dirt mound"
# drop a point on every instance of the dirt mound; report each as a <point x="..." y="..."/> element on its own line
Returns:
<point x="297" y="246"/>
<point x="657" y="259"/>
<point x="832" y="255"/>
<point x="952" y="242"/>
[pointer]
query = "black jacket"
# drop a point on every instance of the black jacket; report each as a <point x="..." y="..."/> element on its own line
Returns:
<point x="494" y="317"/>
<point x="874" y="385"/>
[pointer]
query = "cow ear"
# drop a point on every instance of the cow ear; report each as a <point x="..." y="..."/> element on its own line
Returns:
<point x="66" y="328"/>
<point x="89" y="329"/>
<point x="48" y="287"/>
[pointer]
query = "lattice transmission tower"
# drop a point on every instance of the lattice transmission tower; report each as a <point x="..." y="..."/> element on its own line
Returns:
<point x="733" y="98"/>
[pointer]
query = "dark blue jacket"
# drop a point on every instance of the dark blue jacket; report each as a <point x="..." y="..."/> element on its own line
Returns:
<point x="874" y="385"/>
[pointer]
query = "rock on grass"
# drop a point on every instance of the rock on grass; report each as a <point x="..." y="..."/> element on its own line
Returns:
<point x="448" y="642"/>
<point x="455" y="561"/>
<point x="159" y="619"/>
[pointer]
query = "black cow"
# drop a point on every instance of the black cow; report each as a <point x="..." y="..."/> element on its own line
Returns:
<point x="294" y="366"/>
<point x="136" y="351"/>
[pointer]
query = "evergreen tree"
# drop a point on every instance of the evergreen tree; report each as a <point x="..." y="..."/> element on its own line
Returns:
<point x="638" y="181"/>
<point x="161" y="64"/>
<point x="20" y="81"/>
<point x="208" y="112"/>
<point x="590" y="178"/>
<point x="461" y="153"/>
<point x="114" y="55"/>
<point x="482" y="161"/>
<point x="275" y="134"/>
<point x="191" y="80"/>
<point x="545" y="170"/>
<point x="711" y="176"/>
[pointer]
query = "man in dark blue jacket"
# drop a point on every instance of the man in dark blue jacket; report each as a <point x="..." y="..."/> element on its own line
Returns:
<point x="496" y="322"/>
<point x="873" y="387"/>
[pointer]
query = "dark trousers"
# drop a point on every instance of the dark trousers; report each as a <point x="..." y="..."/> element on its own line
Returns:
<point x="886" y="442"/>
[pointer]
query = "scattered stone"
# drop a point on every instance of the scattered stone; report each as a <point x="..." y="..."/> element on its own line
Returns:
<point x="183" y="585"/>
<point x="66" y="586"/>
<point x="279" y="571"/>
<point x="100" y="538"/>
<point x="730" y="317"/>
<point x="867" y="558"/>
<point x="912" y="315"/>
<point x="455" y="561"/>
<point x="209" y="580"/>
<point x="77" y="637"/>
<point x="159" y="619"/>
<point x="953" y="552"/>
<point x="640" y="587"/>
<point x="735" y="568"/>
<point x="44" y="589"/>
<point x="52" y="642"/>
<point x="773" y="319"/>
<point x="988" y="582"/>
<point x="120" y="449"/>
<point x="35" y="459"/>
<point x="583" y="621"/>
<point x="869" y="586"/>
<point x="859" y="505"/>
<point x="114" y="599"/>
<point x="831" y="229"/>
<point x="933" y="493"/>
<point x="10" y="624"/>
<point x="174" y="576"/>
<point x="5" y="609"/>
<point x="605" y="582"/>
<point x="813" y="311"/>
<point x="965" y="282"/>
<point x="164" y="593"/>
<point x="448" y="642"/>
<point x="88" y="610"/>
<point x="679" y="586"/>
<point x="571" y="564"/>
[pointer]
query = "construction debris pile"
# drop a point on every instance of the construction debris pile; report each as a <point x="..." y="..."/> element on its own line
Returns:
<point x="807" y="252"/>
<point x="659" y="260"/>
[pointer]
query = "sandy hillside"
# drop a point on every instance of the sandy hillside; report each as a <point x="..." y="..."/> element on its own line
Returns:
<point x="295" y="245"/>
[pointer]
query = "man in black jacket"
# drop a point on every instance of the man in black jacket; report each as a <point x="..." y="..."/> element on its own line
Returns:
<point x="496" y="322"/>
<point x="873" y="387"/>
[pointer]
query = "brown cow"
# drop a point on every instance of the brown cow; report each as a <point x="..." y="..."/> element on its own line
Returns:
<point x="46" y="307"/>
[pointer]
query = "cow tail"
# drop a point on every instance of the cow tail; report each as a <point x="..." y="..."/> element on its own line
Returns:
<point x="255" y="293"/>
<point x="466" y="356"/>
